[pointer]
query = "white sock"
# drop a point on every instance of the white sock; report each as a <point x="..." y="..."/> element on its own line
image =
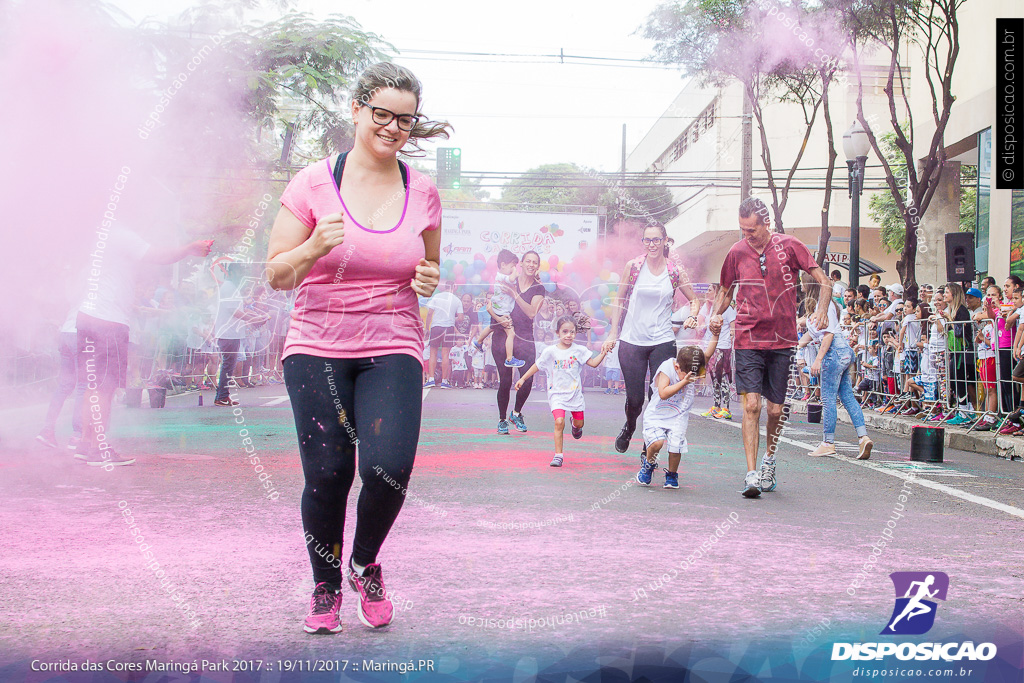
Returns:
<point x="558" y="455"/>
<point x="359" y="569"/>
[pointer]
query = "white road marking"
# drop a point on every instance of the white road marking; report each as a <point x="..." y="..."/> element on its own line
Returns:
<point x="276" y="401"/>
<point x="884" y="469"/>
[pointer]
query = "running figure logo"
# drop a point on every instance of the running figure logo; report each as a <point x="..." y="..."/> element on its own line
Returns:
<point x="914" y="612"/>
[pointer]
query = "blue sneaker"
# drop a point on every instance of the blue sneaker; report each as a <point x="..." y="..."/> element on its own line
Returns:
<point x="671" y="480"/>
<point x="517" y="420"/>
<point x="958" y="419"/>
<point x="577" y="432"/>
<point x="477" y="346"/>
<point x="514" y="363"/>
<point x="643" y="477"/>
<point x="427" y="385"/>
<point x="503" y="426"/>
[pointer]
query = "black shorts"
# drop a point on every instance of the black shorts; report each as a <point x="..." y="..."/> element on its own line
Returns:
<point x="442" y="337"/>
<point x="764" y="371"/>
<point x="102" y="353"/>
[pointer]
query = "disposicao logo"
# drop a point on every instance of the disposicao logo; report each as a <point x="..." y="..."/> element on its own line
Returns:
<point x="914" y="614"/>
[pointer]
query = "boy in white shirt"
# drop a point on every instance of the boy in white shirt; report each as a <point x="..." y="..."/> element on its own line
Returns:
<point x="501" y="305"/>
<point x="667" y="415"/>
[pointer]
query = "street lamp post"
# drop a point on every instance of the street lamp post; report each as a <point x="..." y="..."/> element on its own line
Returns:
<point x="856" y="147"/>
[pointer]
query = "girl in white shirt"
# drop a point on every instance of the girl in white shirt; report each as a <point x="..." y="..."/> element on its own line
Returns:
<point x="563" y="364"/>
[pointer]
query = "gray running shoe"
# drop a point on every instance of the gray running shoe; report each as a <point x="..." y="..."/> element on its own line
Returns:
<point x="768" y="482"/>
<point x="750" y="485"/>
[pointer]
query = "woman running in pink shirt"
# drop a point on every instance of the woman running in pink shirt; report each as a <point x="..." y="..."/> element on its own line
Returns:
<point x="358" y="237"/>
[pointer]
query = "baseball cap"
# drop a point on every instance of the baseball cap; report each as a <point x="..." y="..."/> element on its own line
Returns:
<point x="898" y="288"/>
<point x="975" y="292"/>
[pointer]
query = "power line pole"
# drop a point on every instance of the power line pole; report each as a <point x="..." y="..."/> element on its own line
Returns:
<point x="747" y="134"/>
<point x="622" y="170"/>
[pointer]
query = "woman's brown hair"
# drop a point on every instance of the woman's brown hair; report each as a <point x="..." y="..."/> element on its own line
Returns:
<point x="383" y="75"/>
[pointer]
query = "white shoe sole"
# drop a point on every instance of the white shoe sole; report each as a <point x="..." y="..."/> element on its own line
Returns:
<point x="367" y="623"/>
<point x="323" y="630"/>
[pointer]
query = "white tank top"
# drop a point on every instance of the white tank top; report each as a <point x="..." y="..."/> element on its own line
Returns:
<point x="649" y="318"/>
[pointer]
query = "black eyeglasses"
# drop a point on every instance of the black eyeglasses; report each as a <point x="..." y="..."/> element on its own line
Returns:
<point x="762" y="260"/>
<point x="652" y="240"/>
<point x="383" y="117"/>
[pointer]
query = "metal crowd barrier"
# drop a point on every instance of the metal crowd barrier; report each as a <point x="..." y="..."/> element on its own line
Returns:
<point x="951" y="368"/>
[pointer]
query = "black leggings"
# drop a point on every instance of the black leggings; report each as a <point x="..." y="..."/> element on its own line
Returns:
<point x="525" y="350"/>
<point x="962" y="369"/>
<point x="1010" y="390"/>
<point x="720" y="374"/>
<point x="338" y="403"/>
<point x="636" y="361"/>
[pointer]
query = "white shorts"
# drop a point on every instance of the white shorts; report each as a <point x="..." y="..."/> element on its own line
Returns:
<point x="675" y="437"/>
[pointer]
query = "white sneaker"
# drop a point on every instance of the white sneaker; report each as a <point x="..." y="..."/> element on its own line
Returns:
<point x="767" y="478"/>
<point x="751" y="488"/>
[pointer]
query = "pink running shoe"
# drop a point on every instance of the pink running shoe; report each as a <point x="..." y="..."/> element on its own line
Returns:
<point x="375" y="608"/>
<point x="323" y="611"/>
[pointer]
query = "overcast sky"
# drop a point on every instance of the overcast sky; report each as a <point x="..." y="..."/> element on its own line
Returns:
<point x="514" y="116"/>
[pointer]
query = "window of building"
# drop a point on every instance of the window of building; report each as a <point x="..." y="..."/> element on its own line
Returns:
<point x="691" y="135"/>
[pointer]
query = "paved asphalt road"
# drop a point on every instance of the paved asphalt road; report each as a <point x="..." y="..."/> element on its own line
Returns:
<point x="490" y="535"/>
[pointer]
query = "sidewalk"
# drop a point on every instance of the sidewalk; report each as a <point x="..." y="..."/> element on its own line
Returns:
<point x="988" y="443"/>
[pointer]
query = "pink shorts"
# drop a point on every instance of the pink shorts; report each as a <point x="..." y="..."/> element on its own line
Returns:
<point x="576" y="414"/>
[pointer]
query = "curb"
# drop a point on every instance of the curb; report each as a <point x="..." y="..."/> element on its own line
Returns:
<point x="1007" y="447"/>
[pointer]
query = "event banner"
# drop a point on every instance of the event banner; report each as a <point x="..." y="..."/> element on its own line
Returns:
<point x="469" y="231"/>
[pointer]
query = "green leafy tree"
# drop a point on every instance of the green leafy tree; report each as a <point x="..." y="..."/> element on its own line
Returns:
<point x="553" y="184"/>
<point x="721" y="41"/>
<point x="889" y="27"/>
<point x="292" y="72"/>
<point x="641" y="198"/>
<point x="882" y="206"/>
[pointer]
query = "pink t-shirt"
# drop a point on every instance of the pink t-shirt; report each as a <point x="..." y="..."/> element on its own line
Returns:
<point x="357" y="301"/>
<point x="1005" y="335"/>
<point x="766" y="305"/>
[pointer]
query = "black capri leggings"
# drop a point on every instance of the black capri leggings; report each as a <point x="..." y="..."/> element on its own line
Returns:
<point x="524" y="349"/>
<point x="963" y="371"/>
<point x="339" y="403"/>
<point x="636" y="361"/>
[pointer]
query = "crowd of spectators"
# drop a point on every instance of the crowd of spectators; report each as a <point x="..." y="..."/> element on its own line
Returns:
<point x="943" y="353"/>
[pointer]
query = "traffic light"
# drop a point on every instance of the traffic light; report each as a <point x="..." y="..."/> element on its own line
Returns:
<point x="449" y="168"/>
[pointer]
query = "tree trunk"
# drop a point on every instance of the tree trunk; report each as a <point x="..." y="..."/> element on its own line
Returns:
<point x="907" y="265"/>
<point x="825" y="235"/>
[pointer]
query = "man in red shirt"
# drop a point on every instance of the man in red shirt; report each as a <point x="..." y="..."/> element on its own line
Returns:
<point x="762" y="272"/>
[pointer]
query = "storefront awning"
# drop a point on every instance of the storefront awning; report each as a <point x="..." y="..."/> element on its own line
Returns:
<point x="866" y="267"/>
